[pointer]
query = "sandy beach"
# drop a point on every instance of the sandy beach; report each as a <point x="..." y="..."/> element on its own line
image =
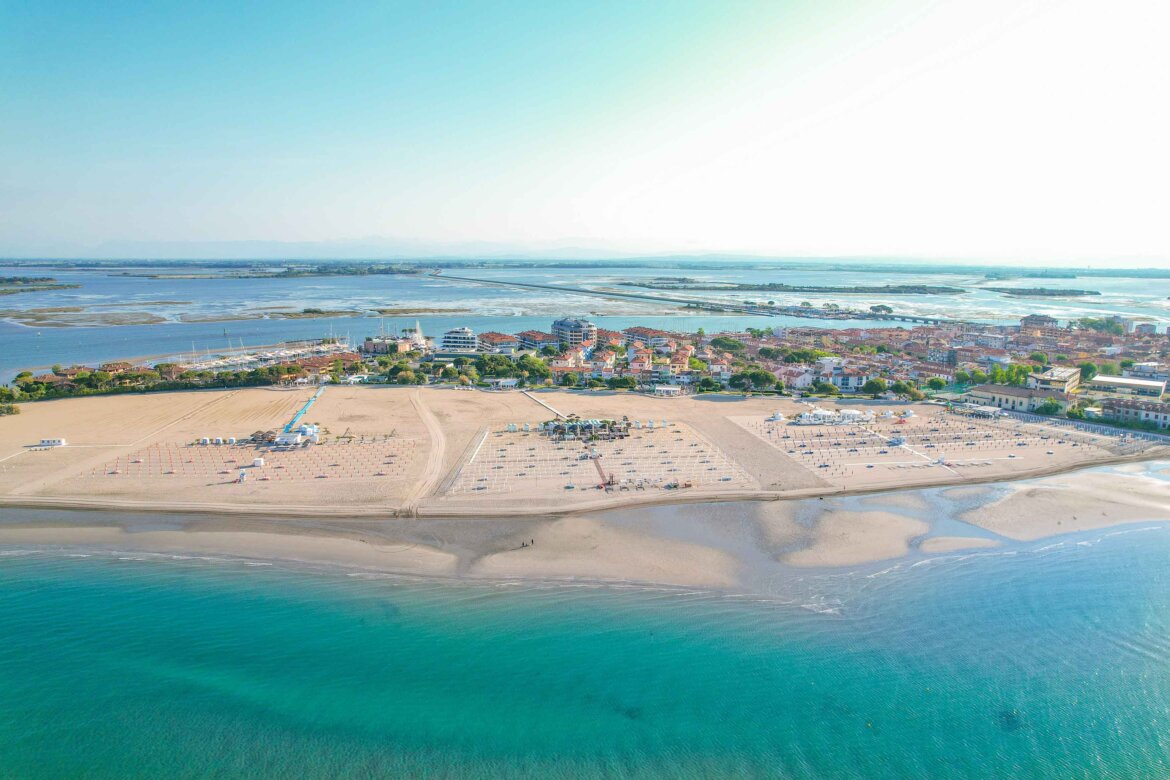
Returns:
<point x="403" y="451"/>
<point x="448" y="483"/>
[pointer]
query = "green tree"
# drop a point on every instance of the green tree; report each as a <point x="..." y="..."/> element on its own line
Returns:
<point x="1038" y="357"/>
<point x="495" y="366"/>
<point x="752" y="379"/>
<point x="1102" y="325"/>
<point x="822" y="387"/>
<point x="1088" y="371"/>
<point x="874" y="387"/>
<point x="570" y="379"/>
<point x="533" y="367"/>
<point x="727" y="344"/>
<point x="1049" y="407"/>
<point x="936" y="383"/>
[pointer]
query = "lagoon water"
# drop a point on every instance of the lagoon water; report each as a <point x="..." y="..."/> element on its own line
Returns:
<point x="1041" y="660"/>
<point x="484" y="307"/>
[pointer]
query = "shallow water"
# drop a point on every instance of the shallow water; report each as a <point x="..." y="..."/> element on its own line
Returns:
<point x="1043" y="660"/>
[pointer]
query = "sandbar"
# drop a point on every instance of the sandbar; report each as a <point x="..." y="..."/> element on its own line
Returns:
<point x="1070" y="503"/>
<point x="847" y="538"/>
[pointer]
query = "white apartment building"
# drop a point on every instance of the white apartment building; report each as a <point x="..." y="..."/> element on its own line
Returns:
<point x="573" y="331"/>
<point x="459" y="340"/>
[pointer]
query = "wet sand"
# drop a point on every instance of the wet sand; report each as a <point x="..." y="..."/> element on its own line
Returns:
<point x="946" y="544"/>
<point x="720" y="546"/>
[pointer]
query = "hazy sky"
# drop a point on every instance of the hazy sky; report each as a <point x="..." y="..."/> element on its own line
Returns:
<point x="1038" y="130"/>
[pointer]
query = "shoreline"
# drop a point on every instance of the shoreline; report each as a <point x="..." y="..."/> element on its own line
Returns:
<point x="601" y="550"/>
<point x="677" y="498"/>
<point x="762" y="547"/>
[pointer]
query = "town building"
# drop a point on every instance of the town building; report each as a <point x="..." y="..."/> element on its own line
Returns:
<point x="1128" y="385"/>
<point x="537" y="339"/>
<point x="1038" y="325"/>
<point x="1134" y="411"/>
<point x="386" y="345"/>
<point x="651" y="337"/>
<point x="500" y="343"/>
<point x="1016" y="399"/>
<point x="459" y="340"/>
<point x="1148" y="370"/>
<point x="574" y="332"/>
<point x="1062" y="379"/>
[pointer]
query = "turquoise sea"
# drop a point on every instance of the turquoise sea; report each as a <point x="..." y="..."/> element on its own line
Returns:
<point x="1048" y="659"/>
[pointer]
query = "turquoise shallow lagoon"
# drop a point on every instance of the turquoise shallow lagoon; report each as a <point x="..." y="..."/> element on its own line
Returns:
<point x="1045" y="660"/>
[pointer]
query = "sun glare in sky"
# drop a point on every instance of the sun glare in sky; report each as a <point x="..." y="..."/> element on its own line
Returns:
<point x="986" y="129"/>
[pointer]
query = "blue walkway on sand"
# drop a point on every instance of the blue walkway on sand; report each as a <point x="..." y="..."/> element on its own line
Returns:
<point x="293" y="422"/>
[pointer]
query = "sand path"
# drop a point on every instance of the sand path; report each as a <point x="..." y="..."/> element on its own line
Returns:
<point x="429" y="479"/>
